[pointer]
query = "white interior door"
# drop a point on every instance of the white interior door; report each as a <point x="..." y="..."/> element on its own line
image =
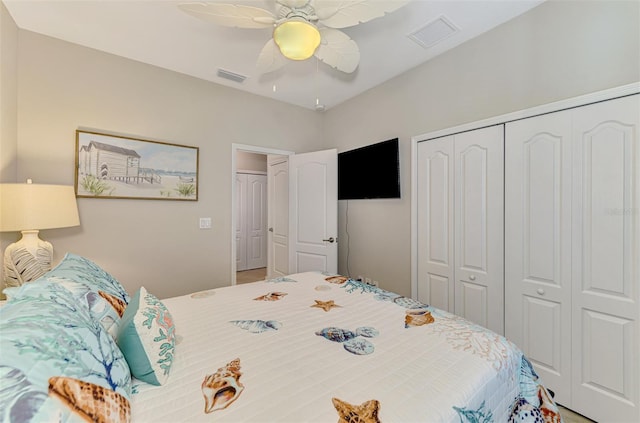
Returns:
<point x="436" y="223"/>
<point x="278" y="204"/>
<point x="479" y="226"/>
<point x="313" y="212"/>
<point x="256" y="221"/>
<point x="241" y="219"/>
<point x="606" y="260"/>
<point x="538" y="245"/>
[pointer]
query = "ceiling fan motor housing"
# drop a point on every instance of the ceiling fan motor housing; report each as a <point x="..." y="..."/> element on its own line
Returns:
<point x="306" y="12"/>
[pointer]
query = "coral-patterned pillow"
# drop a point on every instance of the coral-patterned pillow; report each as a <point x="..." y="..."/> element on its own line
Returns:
<point x="146" y="337"/>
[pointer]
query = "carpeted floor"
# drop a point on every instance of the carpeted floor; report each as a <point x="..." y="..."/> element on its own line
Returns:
<point x="569" y="416"/>
<point x="252" y="275"/>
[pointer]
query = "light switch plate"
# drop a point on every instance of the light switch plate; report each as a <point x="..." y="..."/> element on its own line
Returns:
<point x="205" y="223"/>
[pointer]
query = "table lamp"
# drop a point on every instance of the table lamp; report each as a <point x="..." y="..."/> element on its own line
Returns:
<point x="29" y="208"/>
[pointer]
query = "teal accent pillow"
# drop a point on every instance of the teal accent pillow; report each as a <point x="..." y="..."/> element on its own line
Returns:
<point x="46" y="333"/>
<point x="146" y="337"/>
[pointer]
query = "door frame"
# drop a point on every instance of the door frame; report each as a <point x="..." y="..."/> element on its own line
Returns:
<point x="235" y="148"/>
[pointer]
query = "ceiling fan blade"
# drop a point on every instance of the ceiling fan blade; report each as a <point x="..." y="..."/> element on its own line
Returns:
<point x="270" y="58"/>
<point x="230" y="14"/>
<point x="338" y="50"/>
<point x="345" y="13"/>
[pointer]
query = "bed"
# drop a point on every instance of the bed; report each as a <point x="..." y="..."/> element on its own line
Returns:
<point x="308" y="347"/>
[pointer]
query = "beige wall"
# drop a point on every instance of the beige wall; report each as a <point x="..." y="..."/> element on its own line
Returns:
<point x="558" y="50"/>
<point x="63" y="87"/>
<point x="8" y="95"/>
<point x="9" y="108"/>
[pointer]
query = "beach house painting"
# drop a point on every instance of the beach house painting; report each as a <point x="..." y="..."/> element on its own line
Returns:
<point x="109" y="166"/>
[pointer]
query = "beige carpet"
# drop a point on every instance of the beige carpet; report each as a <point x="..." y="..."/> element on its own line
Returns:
<point x="252" y="275"/>
<point x="569" y="416"/>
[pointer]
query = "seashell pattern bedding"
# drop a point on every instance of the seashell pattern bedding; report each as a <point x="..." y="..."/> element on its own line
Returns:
<point x="313" y="347"/>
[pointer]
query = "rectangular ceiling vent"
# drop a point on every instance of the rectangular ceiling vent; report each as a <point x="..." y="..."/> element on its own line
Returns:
<point x="235" y="77"/>
<point x="434" y="32"/>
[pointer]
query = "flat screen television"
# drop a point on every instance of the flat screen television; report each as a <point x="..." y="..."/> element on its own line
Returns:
<point x="372" y="171"/>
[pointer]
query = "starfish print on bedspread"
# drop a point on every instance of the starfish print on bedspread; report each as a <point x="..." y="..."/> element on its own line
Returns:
<point x="367" y="412"/>
<point x="325" y="305"/>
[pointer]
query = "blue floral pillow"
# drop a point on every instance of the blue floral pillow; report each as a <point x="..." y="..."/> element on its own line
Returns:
<point x="79" y="269"/>
<point x="100" y="305"/>
<point x="49" y="339"/>
<point x="146" y="337"/>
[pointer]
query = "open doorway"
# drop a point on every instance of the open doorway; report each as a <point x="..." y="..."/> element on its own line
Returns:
<point x="250" y="213"/>
<point x="251" y="217"/>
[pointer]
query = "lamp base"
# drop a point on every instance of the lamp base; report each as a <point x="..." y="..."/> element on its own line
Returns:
<point x="27" y="259"/>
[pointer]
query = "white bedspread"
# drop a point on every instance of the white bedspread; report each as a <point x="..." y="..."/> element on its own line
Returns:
<point x="445" y="371"/>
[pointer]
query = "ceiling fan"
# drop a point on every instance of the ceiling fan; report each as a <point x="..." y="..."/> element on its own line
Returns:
<point x="301" y="28"/>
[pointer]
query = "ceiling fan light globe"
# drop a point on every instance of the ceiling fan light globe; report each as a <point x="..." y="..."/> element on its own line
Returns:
<point x="297" y="39"/>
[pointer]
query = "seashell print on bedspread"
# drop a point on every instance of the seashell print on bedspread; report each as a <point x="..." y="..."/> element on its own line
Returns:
<point x="350" y="339"/>
<point x="367" y="412"/>
<point x="281" y="279"/>
<point x="271" y="296"/>
<point x="257" y="326"/>
<point x="223" y="387"/>
<point x="420" y="317"/>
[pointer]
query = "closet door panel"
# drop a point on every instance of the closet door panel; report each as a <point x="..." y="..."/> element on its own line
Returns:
<point x="606" y="256"/>
<point x="256" y="221"/>
<point x="479" y="224"/>
<point x="435" y="223"/>
<point x="538" y="245"/>
<point x="241" y="218"/>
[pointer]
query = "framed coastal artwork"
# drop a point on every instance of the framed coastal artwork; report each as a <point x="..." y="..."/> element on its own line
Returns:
<point x="110" y="166"/>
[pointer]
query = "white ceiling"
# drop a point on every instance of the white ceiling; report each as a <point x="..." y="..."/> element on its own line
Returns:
<point x="158" y="33"/>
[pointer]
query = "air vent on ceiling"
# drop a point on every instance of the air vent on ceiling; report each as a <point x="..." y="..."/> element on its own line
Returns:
<point x="232" y="76"/>
<point x="434" y="32"/>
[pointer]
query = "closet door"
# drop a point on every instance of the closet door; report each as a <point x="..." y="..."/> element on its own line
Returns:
<point x="479" y="225"/>
<point x="538" y="245"/>
<point x="241" y="222"/>
<point x="256" y="221"/>
<point x="606" y="256"/>
<point x="436" y="223"/>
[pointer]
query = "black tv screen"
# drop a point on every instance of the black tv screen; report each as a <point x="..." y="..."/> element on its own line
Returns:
<point x="372" y="171"/>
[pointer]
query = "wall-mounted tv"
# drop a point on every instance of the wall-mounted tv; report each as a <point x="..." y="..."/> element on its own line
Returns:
<point x="372" y="171"/>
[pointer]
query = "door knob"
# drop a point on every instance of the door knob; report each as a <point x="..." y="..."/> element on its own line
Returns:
<point x="332" y="239"/>
<point x="540" y="291"/>
<point x="270" y="229"/>
<point x="472" y="278"/>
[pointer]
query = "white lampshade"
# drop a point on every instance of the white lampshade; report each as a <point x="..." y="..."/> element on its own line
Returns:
<point x="37" y="206"/>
